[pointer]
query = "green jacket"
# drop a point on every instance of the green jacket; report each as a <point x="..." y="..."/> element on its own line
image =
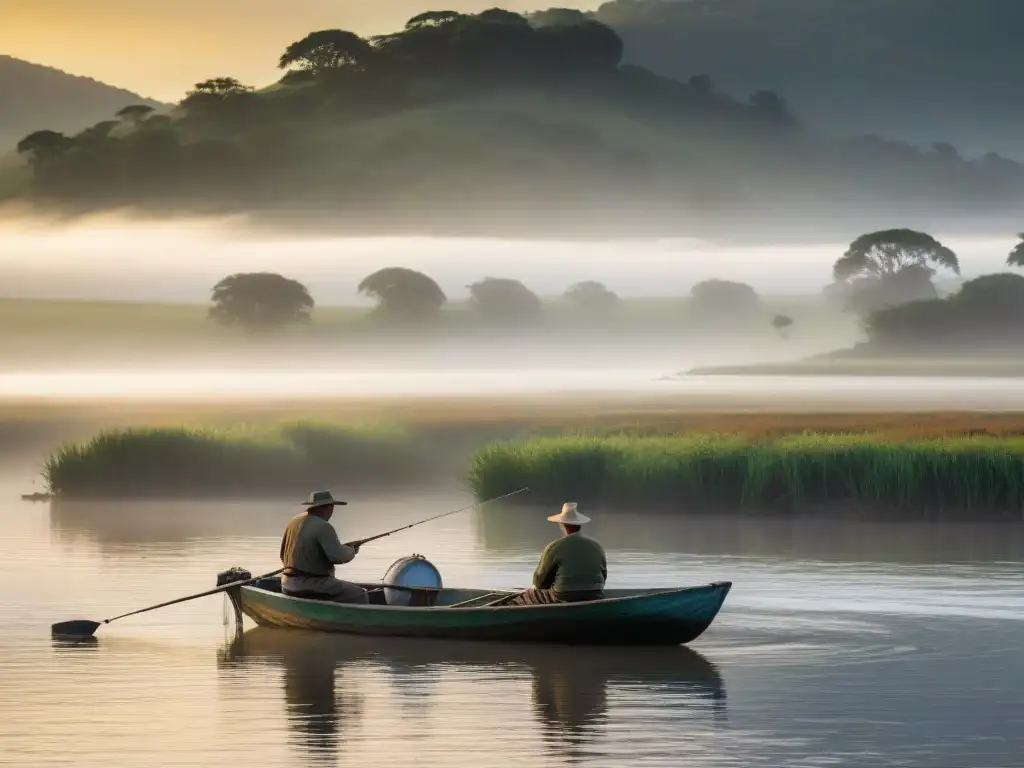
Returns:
<point x="572" y="563"/>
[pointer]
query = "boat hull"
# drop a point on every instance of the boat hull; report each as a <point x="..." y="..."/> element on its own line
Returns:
<point x="662" y="617"/>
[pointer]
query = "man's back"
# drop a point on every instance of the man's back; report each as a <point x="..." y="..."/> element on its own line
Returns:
<point x="310" y="547"/>
<point x="573" y="563"/>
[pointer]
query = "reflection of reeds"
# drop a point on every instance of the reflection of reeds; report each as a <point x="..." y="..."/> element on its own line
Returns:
<point x="287" y="457"/>
<point x="965" y="473"/>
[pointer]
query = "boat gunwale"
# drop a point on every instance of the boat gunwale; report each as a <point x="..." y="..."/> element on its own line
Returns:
<point x="489" y="608"/>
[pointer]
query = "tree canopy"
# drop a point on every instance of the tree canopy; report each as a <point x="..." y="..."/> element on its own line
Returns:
<point x="327" y="50"/>
<point x="403" y="294"/>
<point x="260" y="301"/>
<point x="985" y="313"/>
<point x="723" y="298"/>
<point x="878" y="254"/>
<point x="891" y="267"/>
<point x="503" y="299"/>
<point x="1016" y="257"/>
<point x="591" y="296"/>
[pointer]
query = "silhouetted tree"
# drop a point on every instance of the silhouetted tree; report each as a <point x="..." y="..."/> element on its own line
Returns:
<point x="221" y="86"/>
<point x="134" y="113"/>
<point x="946" y="152"/>
<point x="1016" y="257"/>
<point x="592" y="297"/>
<point x="723" y="298"/>
<point x="986" y="312"/>
<point x="501" y="16"/>
<point x="557" y="17"/>
<point x="404" y="294"/>
<point x="327" y="50"/>
<point x="432" y="19"/>
<point x="771" y="106"/>
<point x="504" y="299"/>
<point x="260" y="301"/>
<point x="891" y="266"/>
<point x="879" y="254"/>
<point x="782" y="323"/>
<point x="864" y="295"/>
<point x="97" y="132"/>
<point x="44" y="148"/>
<point x="587" y="47"/>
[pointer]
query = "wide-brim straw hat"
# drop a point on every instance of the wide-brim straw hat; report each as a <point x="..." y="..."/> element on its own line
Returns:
<point x="570" y="515"/>
<point x="322" y="499"/>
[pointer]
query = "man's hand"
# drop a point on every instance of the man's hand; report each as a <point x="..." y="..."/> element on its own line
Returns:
<point x="355" y="546"/>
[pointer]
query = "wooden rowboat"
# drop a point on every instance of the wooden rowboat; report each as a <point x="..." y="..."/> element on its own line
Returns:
<point x="623" y="617"/>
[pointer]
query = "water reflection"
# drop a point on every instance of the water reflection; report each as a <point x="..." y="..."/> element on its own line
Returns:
<point x="828" y="535"/>
<point x="117" y="524"/>
<point x="569" y="688"/>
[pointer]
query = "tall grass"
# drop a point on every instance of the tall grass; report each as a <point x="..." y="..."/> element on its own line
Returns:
<point x="740" y="471"/>
<point x="286" y="458"/>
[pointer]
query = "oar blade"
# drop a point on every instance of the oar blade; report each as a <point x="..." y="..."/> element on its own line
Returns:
<point x="74" y="628"/>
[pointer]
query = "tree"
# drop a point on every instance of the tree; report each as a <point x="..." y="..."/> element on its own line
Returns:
<point x="881" y="254"/>
<point x="557" y="17"/>
<point x="772" y="107"/>
<point x="588" y="46"/>
<point x="44" y="148"/>
<point x="432" y="19"/>
<point x="890" y="267"/>
<point x="501" y="16"/>
<point x="723" y="298"/>
<point x="96" y="133"/>
<point x="260" y="301"/>
<point x="986" y="312"/>
<point x="504" y="299"/>
<point x="134" y="113"/>
<point x="222" y="86"/>
<point x="1016" y="257"/>
<point x="782" y="323"/>
<point x="592" y="297"/>
<point x="403" y="294"/>
<point x="864" y="295"/>
<point x="327" y="50"/>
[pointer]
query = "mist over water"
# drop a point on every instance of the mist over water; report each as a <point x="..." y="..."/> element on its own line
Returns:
<point x="112" y="257"/>
<point x="119" y="258"/>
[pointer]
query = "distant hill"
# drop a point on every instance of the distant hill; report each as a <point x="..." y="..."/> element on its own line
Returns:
<point x="919" y="70"/>
<point x="488" y="124"/>
<point x="34" y="97"/>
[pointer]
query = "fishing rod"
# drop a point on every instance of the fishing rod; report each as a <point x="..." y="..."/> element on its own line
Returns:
<point x="87" y="627"/>
<point x="360" y="542"/>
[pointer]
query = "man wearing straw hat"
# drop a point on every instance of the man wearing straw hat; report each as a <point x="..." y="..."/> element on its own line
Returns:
<point x="571" y="569"/>
<point x="309" y="551"/>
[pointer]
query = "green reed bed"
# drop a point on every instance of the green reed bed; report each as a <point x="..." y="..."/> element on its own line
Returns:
<point x="736" y="471"/>
<point x="285" y="458"/>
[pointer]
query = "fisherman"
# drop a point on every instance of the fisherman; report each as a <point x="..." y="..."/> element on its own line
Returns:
<point x="571" y="569"/>
<point x="309" y="551"/>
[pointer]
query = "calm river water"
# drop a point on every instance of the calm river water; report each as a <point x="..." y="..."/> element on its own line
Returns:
<point x="842" y="643"/>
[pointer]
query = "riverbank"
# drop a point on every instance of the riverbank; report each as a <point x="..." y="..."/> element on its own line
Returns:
<point x="288" y="458"/>
<point x="911" y="476"/>
<point x="820" y="365"/>
<point x="147" y="450"/>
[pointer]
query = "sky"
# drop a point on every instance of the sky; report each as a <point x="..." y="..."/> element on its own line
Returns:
<point x="160" y="49"/>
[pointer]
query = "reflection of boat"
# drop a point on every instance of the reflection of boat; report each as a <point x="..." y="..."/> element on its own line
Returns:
<point x="569" y="689"/>
<point x="623" y="617"/>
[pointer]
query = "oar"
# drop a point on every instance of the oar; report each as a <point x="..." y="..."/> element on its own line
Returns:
<point x="86" y="627"/>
